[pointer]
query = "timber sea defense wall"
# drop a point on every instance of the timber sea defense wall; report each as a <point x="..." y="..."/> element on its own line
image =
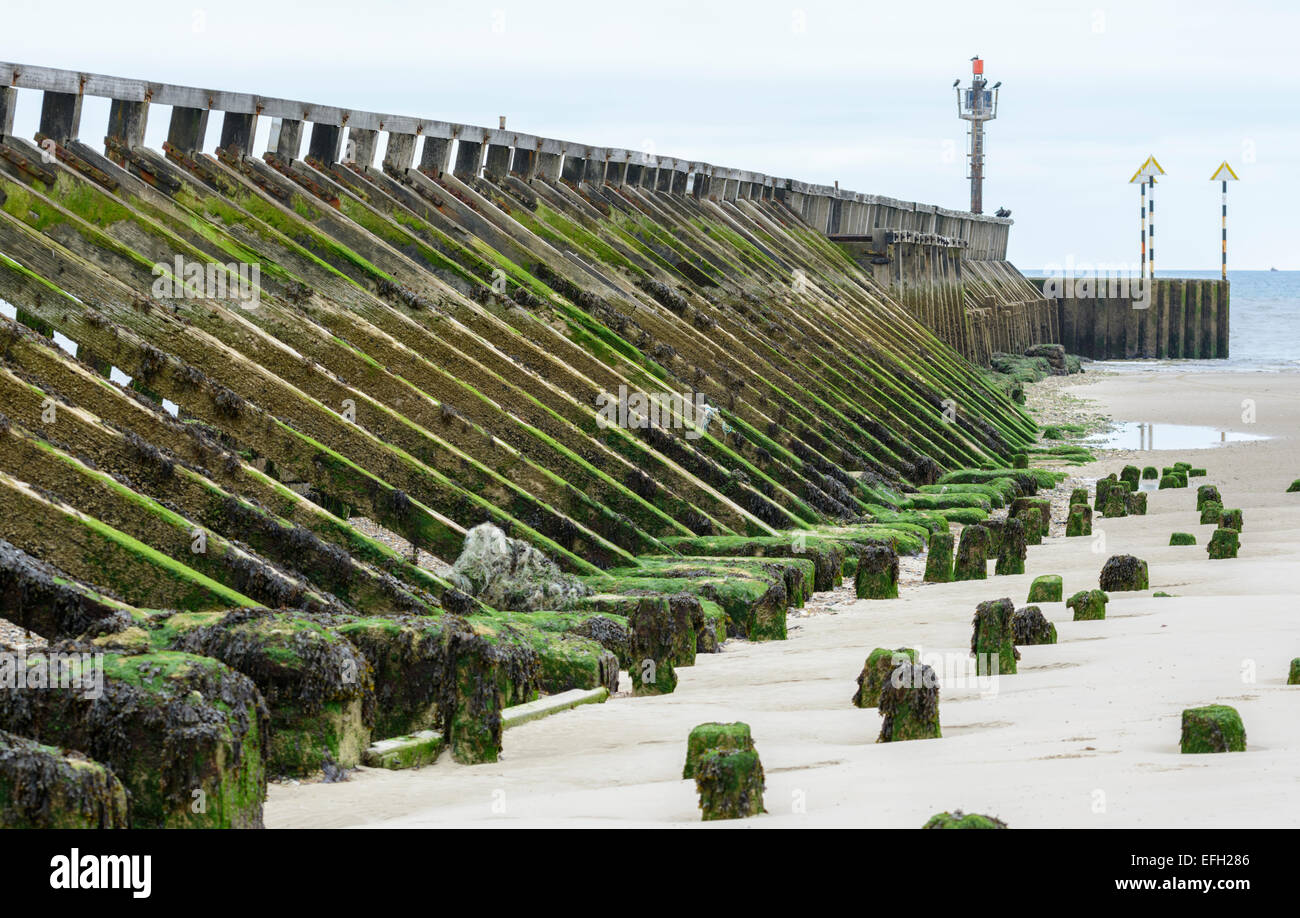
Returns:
<point x="967" y="294"/>
<point x="255" y="405"/>
<point x="1177" y="318"/>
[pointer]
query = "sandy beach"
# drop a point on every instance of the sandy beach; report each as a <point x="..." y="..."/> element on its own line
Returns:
<point x="1085" y="735"/>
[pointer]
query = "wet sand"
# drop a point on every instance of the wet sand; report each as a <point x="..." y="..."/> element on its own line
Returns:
<point x="1085" y="735"/>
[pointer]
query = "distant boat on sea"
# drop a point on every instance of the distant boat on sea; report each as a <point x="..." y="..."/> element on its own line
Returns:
<point x="1272" y="269"/>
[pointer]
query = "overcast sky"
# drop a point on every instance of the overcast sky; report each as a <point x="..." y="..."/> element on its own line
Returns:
<point x="816" y="90"/>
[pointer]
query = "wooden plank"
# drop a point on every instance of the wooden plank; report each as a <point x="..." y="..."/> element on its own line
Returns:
<point x="1224" y="289"/>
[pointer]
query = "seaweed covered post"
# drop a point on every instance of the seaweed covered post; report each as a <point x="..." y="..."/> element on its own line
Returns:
<point x="1182" y="538"/>
<point x="1078" y="496"/>
<point x="880" y="664"/>
<point x="972" y="554"/>
<point x="1231" y="519"/>
<point x="1031" y="522"/>
<point x="877" y="574"/>
<point x="1293" y="677"/>
<point x="1088" y="605"/>
<point x="1136" y="503"/>
<point x="1123" y="572"/>
<point x="1213" y="728"/>
<point x="1116" y="502"/>
<point x="660" y="638"/>
<point x="1102" y="491"/>
<point x="43" y="787"/>
<point x="472" y="703"/>
<point x="1011" y="557"/>
<point x="1132" y="474"/>
<point x="1030" y="626"/>
<point x="1224" y="543"/>
<point x="1212" y="513"/>
<point x="730" y="783"/>
<point x="1206" y="494"/>
<point x="909" y="704"/>
<point x="167" y="724"/>
<point x="714" y="736"/>
<point x="1046" y="588"/>
<point x="1079" y="522"/>
<point x="318" y="685"/>
<point x="938" y="560"/>
<point x="959" y="820"/>
<point x="993" y="640"/>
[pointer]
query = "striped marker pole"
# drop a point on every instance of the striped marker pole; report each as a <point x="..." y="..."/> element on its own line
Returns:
<point x="1224" y="274"/>
<point x="1224" y="175"/>
<point x="1151" y="229"/>
<point x="1143" y="270"/>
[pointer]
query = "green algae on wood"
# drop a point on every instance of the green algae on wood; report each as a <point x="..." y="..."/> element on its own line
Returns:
<point x="880" y="664"/>
<point x="45" y="787"/>
<point x="715" y="736"/>
<point x="1123" y="572"/>
<point x="1079" y="522"/>
<point x="730" y="783"/>
<point x="185" y="734"/>
<point x="1213" y="728"/>
<point x="959" y="820"/>
<point x="1030" y="626"/>
<point x="1088" y="605"/>
<point x="1011" y="555"/>
<point x="938" y="561"/>
<point x="660" y="637"/>
<point x="1046" y="588"/>
<point x="877" y="573"/>
<point x="909" y="704"/>
<point x="1224" y="543"/>
<point x="972" y="554"/>
<point x="319" y="687"/>
<point x="992" y="640"/>
<point x="1182" y="538"/>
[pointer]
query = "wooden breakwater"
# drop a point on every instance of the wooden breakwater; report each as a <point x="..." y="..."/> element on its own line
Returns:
<point x="1177" y="318"/>
<point x="963" y="290"/>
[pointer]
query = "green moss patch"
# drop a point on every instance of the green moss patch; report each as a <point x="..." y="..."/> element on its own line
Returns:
<point x="714" y="736"/>
<point x="959" y="820"/>
<point x="1047" y="588"/>
<point x="1213" y="728"/>
<point x="44" y="787"/>
<point x="186" y="735"/>
<point x="1088" y="605"/>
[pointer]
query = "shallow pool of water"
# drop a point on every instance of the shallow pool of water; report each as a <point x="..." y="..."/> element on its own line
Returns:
<point x="1141" y="436"/>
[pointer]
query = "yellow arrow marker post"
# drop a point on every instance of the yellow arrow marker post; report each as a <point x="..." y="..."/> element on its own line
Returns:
<point x="1144" y="177"/>
<point x="1225" y="175"/>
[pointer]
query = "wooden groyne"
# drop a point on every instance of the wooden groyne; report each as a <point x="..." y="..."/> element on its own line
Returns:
<point x="963" y="290"/>
<point x="1176" y="318"/>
